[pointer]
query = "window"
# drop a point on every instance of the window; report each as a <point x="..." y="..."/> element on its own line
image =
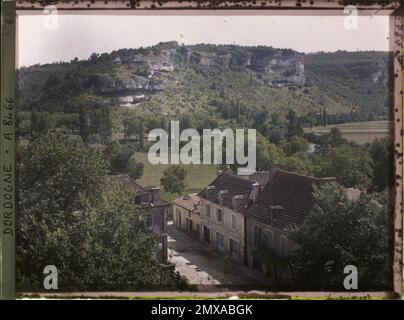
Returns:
<point x="234" y="249"/>
<point x="257" y="235"/>
<point x="219" y="215"/>
<point x="206" y="234"/>
<point x="284" y="246"/>
<point x="178" y="214"/>
<point x="207" y="210"/>
<point x="149" y="220"/>
<point x="270" y="238"/>
<point x="233" y="221"/>
<point x="220" y="241"/>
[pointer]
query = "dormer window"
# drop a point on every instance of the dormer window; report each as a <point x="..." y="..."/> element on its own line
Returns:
<point x="220" y="196"/>
<point x="144" y="199"/>
<point x="255" y="191"/>
<point x="236" y="201"/>
<point x="208" y="190"/>
<point x="274" y="212"/>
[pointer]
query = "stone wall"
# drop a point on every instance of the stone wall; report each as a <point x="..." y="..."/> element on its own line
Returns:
<point x="181" y="218"/>
<point x="270" y="238"/>
<point x="224" y="228"/>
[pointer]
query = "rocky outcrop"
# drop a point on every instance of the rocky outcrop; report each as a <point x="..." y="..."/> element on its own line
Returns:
<point x="110" y="85"/>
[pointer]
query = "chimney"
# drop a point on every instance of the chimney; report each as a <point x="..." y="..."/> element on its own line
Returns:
<point x="220" y="196"/>
<point x="255" y="191"/>
<point x="208" y="190"/>
<point x="237" y="200"/>
<point x="155" y="194"/>
<point x="274" y="212"/>
<point x="274" y="170"/>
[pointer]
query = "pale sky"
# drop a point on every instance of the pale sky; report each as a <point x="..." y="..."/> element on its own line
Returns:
<point x="80" y="35"/>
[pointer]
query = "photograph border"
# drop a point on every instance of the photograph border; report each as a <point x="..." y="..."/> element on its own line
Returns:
<point x="10" y="11"/>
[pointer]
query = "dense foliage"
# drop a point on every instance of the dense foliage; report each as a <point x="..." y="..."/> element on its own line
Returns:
<point x="70" y="216"/>
<point x="173" y="179"/>
<point x="339" y="232"/>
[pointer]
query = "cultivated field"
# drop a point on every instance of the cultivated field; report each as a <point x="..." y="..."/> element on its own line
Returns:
<point x="360" y="132"/>
<point x="198" y="176"/>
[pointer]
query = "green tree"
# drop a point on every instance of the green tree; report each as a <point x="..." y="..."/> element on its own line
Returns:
<point x="141" y="135"/>
<point x="173" y="179"/>
<point x="338" y="232"/>
<point x="382" y="151"/>
<point x="268" y="154"/>
<point x="276" y="135"/>
<point x="84" y="124"/>
<point x="333" y="138"/>
<point x="352" y="166"/>
<point x="293" y="145"/>
<point x="119" y="157"/>
<point x="299" y="163"/>
<point x="135" y="169"/>
<point x="72" y="217"/>
<point x="120" y="248"/>
<point x="325" y="117"/>
<point x="43" y="125"/>
<point x="105" y="128"/>
<point x="34" y="122"/>
<point x="294" y="127"/>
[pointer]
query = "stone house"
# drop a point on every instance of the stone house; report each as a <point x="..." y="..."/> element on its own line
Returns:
<point x="222" y="213"/>
<point x="154" y="210"/>
<point x="186" y="211"/>
<point x="283" y="203"/>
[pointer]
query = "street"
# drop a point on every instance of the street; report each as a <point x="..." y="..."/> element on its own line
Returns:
<point x="206" y="268"/>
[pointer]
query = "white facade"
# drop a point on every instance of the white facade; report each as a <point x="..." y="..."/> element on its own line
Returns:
<point x="223" y="229"/>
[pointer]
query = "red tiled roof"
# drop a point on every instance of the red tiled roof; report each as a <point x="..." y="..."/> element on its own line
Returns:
<point x="130" y="184"/>
<point x="352" y="194"/>
<point x="235" y="186"/>
<point x="187" y="201"/>
<point x="289" y="190"/>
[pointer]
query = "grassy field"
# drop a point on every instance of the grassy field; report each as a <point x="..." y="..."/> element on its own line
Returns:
<point x="198" y="176"/>
<point x="360" y="132"/>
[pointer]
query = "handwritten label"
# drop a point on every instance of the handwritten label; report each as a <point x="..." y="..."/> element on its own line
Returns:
<point x="7" y="171"/>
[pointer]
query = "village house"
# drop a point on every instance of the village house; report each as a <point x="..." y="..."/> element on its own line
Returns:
<point x="283" y="203"/>
<point x="222" y="213"/>
<point x="186" y="210"/>
<point x="154" y="210"/>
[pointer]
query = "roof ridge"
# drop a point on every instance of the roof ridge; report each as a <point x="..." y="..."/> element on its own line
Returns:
<point x="134" y="181"/>
<point x="302" y="175"/>
<point x="234" y="176"/>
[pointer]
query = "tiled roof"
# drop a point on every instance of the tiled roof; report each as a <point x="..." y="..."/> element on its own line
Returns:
<point x="161" y="203"/>
<point x="234" y="186"/>
<point x="130" y="184"/>
<point x="262" y="177"/>
<point x="352" y="194"/>
<point x="136" y="189"/>
<point x="287" y="190"/>
<point x="188" y="202"/>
